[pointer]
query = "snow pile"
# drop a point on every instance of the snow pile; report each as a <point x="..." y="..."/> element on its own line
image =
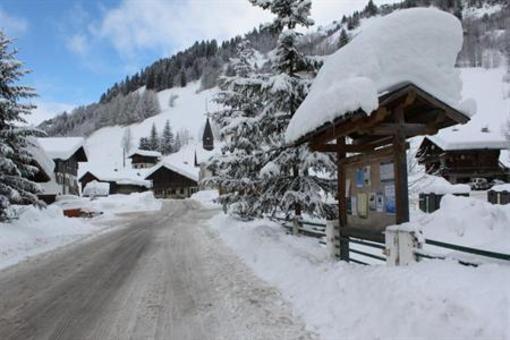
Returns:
<point x="206" y="198"/>
<point x="430" y="300"/>
<point x="136" y="202"/>
<point x="440" y="186"/>
<point x="418" y="45"/>
<point x="501" y="188"/>
<point x="469" y="222"/>
<point x="96" y="188"/>
<point x="37" y="231"/>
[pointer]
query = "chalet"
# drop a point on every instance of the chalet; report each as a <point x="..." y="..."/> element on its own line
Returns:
<point x="143" y="159"/>
<point x="171" y="181"/>
<point x="123" y="181"/>
<point x="45" y="176"/>
<point x="460" y="156"/>
<point x="66" y="152"/>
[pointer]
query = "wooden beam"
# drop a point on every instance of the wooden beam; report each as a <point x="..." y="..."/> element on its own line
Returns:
<point x="400" y="168"/>
<point x="389" y="129"/>
<point x="348" y="148"/>
<point x="342" y="200"/>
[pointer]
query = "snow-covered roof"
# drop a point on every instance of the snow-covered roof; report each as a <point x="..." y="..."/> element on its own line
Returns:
<point x="126" y="176"/>
<point x="204" y="155"/>
<point x="418" y="46"/>
<point x="193" y="175"/>
<point x="468" y="139"/>
<point x="440" y="186"/>
<point x="146" y="153"/>
<point x="61" y="147"/>
<point x="44" y="162"/>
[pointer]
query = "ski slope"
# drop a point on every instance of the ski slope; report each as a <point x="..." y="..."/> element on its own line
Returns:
<point x="104" y="149"/>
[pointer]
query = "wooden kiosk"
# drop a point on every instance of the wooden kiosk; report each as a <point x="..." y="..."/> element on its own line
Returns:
<point x="372" y="163"/>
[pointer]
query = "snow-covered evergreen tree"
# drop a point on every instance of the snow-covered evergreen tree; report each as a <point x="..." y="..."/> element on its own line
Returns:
<point x="144" y="144"/>
<point x="344" y="39"/>
<point x="237" y="168"/>
<point x="15" y="161"/>
<point x="294" y="179"/>
<point x="167" y="139"/>
<point x="154" y="139"/>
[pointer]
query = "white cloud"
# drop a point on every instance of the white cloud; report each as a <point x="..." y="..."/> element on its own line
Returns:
<point x="77" y="43"/>
<point x="47" y="110"/>
<point x="172" y="25"/>
<point x="14" y="26"/>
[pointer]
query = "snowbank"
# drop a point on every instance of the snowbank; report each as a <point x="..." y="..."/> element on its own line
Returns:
<point x="501" y="187"/>
<point x="206" y="198"/>
<point x="96" y="188"/>
<point x="430" y="300"/>
<point x="440" y="186"/>
<point x="136" y="202"/>
<point x="37" y="231"/>
<point x="469" y="222"/>
<point x="418" y="45"/>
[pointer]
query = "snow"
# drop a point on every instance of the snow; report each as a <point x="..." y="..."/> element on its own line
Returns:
<point x="96" y="188"/>
<point x="37" y="231"/>
<point x="61" y="147"/>
<point x="206" y="198"/>
<point x="418" y="45"/>
<point x="440" y="186"/>
<point x="177" y="165"/>
<point x="135" y="202"/>
<point x="504" y="158"/>
<point x="119" y="176"/>
<point x="462" y="139"/>
<point x="104" y="146"/>
<point x="429" y="300"/>
<point x="146" y="153"/>
<point x="40" y="156"/>
<point x="470" y="222"/>
<point x="501" y="188"/>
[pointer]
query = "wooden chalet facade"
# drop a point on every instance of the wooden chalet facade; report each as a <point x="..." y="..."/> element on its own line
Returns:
<point x="462" y="164"/>
<point x="372" y="167"/>
<point x="66" y="153"/>
<point x="170" y="182"/>
<point x="144" y="159"/>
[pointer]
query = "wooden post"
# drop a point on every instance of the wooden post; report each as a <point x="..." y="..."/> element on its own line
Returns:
<point x="401" y="183"/>
<point x="342" y="203"/>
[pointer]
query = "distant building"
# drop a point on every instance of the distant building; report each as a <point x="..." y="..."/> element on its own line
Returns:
<point x="460" y="157"/>
<point x="171" y="181"/>
<point x="65" y="152"/>
<point x="123" y="181"/>
<point x="144" y="159"/>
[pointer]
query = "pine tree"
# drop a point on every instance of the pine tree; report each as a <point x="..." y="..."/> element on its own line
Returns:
<point x="154" y="139"/>
<point x="15" y="169"/>
<point x="182" y="79"/>
<point x="167" y="140"/>
<point x="144" y="144"/>
<point x="126" y="144"/>
<point x="237" y="168"/>
<point x="344" y="39"/>
<point x="288" y="177"/>
<point x="177" y="145"/>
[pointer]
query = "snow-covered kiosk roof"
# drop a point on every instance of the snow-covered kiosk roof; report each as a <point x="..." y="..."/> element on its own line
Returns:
<point x="406" y="60"/>
<point x="64" y="148"/>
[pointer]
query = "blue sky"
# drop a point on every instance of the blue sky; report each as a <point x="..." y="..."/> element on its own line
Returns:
<point x="77" y="49"/>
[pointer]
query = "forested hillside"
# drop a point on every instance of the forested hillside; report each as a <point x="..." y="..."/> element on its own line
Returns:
<point x="486" y="44"/>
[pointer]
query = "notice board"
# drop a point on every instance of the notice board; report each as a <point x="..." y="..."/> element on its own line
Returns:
<point x="370" y="190"/>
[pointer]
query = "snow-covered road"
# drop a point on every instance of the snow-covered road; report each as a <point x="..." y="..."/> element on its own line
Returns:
<point x="163" y="275"/>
